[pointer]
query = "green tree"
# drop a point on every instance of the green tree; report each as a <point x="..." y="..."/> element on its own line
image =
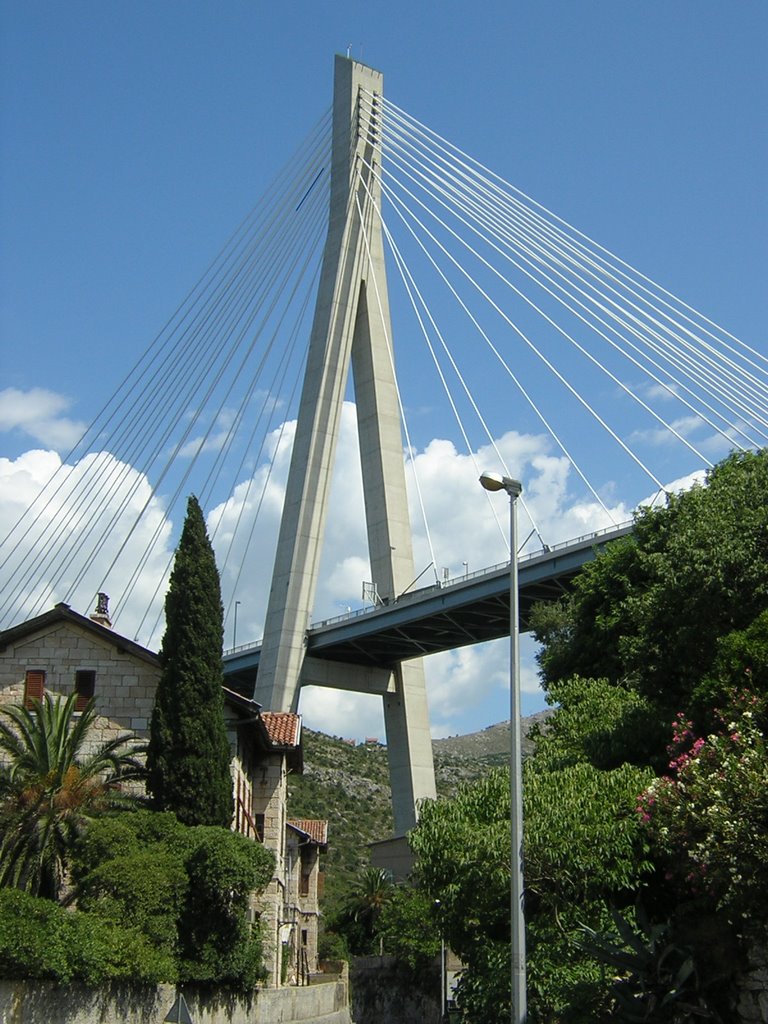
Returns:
<point x="184" y="890"/>
<point x="409" y="929"/>
<point x="648" y="612"/>
<point x="584" y="850"/>
<point x="358" y="919"/>
<point x="56" y="779"/>
<point x="188" y="758"/>
<point x="597" y="723"/>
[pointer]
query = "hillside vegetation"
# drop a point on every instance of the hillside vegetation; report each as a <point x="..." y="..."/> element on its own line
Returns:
<point x="349" y="787"/>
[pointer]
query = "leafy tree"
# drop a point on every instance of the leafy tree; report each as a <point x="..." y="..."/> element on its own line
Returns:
<point x="661" y="630"/>
<point x="189" y="757"/>
<point x="184" y="889"/>
<point x="409" y="928"/>
<point x="596" y="723"/>
<point x="584" y="849"/>
<point x="54" y="782"/>
<point x="741" y="664"/>
<point x="648" y="612"/>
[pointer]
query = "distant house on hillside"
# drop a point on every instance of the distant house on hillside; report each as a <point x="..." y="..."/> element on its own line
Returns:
<point x="63" y="652"/>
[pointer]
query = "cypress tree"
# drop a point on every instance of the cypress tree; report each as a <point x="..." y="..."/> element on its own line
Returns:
<point x="188" y="757"/>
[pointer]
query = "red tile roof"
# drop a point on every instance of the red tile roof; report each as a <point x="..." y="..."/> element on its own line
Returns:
<point x="316" y="830"/>
<point x="284" y="728"/>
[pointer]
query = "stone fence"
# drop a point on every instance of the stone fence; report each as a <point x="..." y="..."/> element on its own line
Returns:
<point x="44" y="1002"/>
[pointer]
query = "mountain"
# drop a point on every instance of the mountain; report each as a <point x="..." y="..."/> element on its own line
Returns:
<point x="349" y="786"/>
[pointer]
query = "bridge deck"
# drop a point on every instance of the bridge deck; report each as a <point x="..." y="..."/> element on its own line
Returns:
<point x="467" y="610"/>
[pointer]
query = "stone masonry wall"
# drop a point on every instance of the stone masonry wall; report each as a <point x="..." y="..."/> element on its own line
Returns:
<point x="269" y="795"/>
<point x="383" y="991"/>
<point x="42" y="1002"/>
<point x="125" y="685"/>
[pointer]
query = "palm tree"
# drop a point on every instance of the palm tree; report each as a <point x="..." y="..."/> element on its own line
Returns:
<point x="52" y="782"/>
<point x="362" y="910"/>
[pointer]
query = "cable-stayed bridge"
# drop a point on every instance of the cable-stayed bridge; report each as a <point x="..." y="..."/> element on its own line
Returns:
<point x="468" y="609"/>
<point x="380" y="239"/>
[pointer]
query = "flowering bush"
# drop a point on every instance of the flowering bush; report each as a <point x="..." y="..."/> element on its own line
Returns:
<point x="708" y="817"/>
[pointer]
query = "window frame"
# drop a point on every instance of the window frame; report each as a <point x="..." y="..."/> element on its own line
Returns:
<point x="83" y="698"/>
<point x="34" y="686"/>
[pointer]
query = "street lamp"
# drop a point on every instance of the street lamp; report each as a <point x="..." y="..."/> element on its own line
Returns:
<point x="496" y="482"/>
<point x="443" y="986"/>
<point x="234" y="631"/>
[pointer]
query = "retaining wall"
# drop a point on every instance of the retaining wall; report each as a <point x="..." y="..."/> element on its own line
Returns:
<point x="382" y="992"/>
<point x="43" y="1002"/>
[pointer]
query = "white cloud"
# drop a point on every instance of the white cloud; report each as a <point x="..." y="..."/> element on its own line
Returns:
<point x="662" y="436"/>
<point x="339" y="713"/>
<point x="683" y="483"/>
<point x="38" y="414"/>
<point x="665" y="392"/>
<point x="65" y="549"/>
<point x="466" y="525"/>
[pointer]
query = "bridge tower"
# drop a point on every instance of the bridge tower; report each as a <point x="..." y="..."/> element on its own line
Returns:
<point x="351" y="326"/>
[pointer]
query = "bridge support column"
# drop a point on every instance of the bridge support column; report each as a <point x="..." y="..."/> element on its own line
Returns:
<point x="409" y="745"/>
<point x="351" y="323"/>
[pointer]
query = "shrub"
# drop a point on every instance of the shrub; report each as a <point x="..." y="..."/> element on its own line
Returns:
<point x="184" y="890"/>
<point x="707" y="817"/>
<point x="39" y="939"/>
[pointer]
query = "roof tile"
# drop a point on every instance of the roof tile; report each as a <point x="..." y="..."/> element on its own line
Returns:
<point x="316" y="830"/>
<point x="283" y="727"/>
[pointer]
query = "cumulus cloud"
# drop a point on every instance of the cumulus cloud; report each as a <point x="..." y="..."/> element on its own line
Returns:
<point x="468" y="530"/>
<point x="684" y="426"/>
<point x="65" y="548"/>
<point x="38" y="413"/>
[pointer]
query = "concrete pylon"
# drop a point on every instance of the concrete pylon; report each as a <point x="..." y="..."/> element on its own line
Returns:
<point x="351" y="326"/>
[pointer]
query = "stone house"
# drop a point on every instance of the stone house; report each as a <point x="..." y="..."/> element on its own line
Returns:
<point x="63" y="652"/>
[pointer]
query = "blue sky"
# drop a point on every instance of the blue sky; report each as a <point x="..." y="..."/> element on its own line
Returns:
<point x="136" y="136"/>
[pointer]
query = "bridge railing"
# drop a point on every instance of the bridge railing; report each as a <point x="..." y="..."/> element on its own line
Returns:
<point x="531" y="556"/>
<point x="415" y="595"/>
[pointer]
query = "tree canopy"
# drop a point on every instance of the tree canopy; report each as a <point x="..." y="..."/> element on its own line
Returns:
<point x="54" y="781"/>
<point x="584" y="849"/>
<point x="648" y="613"/>
<point x="644" y="804"/>
<point x="189" y="757"/>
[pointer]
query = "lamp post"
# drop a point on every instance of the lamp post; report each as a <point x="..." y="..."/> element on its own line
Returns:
<point x="519" y="1010"/>
<point x="234" y="630"/>
<point x="442" y="968"/>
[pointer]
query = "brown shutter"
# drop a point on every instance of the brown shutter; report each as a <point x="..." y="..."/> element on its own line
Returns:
<point x="85" y="686"/>
<point x="34" y="686"/>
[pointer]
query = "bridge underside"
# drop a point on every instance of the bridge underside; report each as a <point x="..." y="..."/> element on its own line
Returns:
<point x="433" y="619"/>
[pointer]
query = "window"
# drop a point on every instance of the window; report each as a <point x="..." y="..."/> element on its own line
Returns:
<point x="34" y="686"/>
<point x="85" y="686"/>
<point x="306" y="873"/>
<point x="259" y="820"/>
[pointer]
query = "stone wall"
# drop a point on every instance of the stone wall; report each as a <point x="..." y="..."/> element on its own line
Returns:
<point x="125" y="684"/>
<point x="752" y="986"/>
<point x="41" y="1002"/>
<point x="269" y="795"/>
<point x="383" y="991"/>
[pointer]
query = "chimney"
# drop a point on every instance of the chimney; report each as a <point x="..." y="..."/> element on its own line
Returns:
<point x="101" y="615"/>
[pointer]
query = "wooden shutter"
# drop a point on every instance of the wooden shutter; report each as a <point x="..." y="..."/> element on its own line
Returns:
<point x="85" y="687"/>
<point x="34" y="686"/>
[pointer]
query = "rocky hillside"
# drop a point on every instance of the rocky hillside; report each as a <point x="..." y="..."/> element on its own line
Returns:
<point x="349" y="786"/>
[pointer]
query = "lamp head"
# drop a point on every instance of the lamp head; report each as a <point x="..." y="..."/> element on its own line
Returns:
<point x="497" y="482"/>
